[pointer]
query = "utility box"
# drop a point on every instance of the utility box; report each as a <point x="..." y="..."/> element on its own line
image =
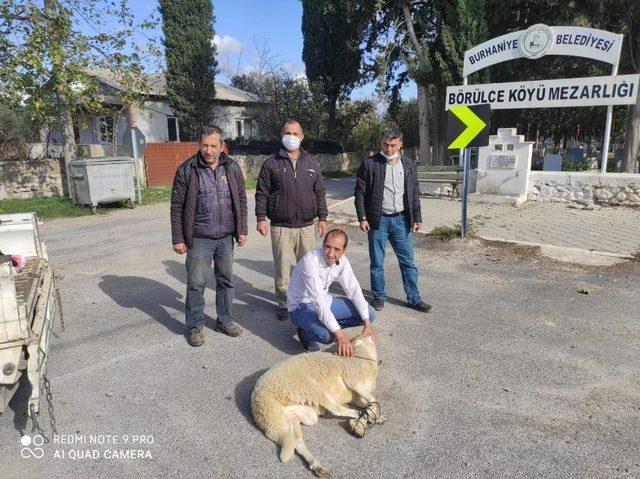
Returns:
<point x="102" y="180"/>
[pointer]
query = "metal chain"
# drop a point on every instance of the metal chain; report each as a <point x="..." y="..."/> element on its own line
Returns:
<point x="36" y="425"/>
<point x="60" y="313"/>
<point x="52" y="418"/>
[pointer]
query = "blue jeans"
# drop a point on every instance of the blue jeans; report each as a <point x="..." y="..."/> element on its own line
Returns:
<point x="313" y="329"/>
<point x="198" y="264"/>
<point x="397" y="231"/>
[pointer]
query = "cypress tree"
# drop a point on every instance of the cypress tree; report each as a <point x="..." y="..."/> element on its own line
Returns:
<point x="191" y="65"/>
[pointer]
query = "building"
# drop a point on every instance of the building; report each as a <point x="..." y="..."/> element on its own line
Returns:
<point x="234" y="110"/>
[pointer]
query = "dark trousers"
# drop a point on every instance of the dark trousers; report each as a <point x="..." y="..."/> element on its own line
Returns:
<point x="198" y="264"/>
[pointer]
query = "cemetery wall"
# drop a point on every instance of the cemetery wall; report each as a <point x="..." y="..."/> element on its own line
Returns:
<point x="585" y="188"/>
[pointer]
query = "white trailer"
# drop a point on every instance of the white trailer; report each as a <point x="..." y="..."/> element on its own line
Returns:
<point x="29" y="305"/>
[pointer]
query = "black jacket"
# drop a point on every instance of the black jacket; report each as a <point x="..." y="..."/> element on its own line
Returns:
<point x="370" y="189"/>
<point x="184" y="198"/>
<point x="287" y="197"/>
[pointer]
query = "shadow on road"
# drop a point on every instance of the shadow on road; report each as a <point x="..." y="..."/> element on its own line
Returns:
<point x="243" y="395"/>
<point x="146" y="295"/>
<point x="253" y="308"/>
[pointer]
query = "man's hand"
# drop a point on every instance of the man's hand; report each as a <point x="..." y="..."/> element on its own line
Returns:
<point x="262" y="227"/>
<point x="368" y="330"/>
<point x="364" y="226"/>
<point x="345" y="348"/>
<point x="242" y="239"/>
<point x="416" y="226"/>
<point x="180" y="248"/>
<point x="322" y="228"/>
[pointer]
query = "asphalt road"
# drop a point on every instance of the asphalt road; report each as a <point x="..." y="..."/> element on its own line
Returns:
<point x="515" y="373"/>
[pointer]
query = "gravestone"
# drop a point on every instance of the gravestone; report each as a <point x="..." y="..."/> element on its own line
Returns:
<point x="503" y="168"/>
<point x="552" y="163"/>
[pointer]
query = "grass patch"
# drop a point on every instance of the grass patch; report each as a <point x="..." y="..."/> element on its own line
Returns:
<point x="250" y="183"/>
<point x="337" y="174"/>
<point x="448" y="233"/>
<point x="636" y="258"/>
<point x="155" y="194"/>
<point x="45" y="207"/>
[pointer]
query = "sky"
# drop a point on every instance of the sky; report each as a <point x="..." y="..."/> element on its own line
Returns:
<point x="240" y="25"/>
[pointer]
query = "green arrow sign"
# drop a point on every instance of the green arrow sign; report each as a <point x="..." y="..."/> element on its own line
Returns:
<point x="468" y="126"/>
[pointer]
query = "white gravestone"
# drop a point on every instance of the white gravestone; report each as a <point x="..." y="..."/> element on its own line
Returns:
<point x="503" y="168"/>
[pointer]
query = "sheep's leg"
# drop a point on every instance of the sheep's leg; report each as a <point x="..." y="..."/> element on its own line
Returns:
<point x="303" y="450"/>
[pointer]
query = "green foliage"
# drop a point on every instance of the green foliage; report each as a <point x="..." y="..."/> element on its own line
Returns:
<point x="448" y="233"/>
<point x="45" y="207"/>
<point x="404" y="114"/>
<point x="155" y="194"/>
<point x="250" y="183"/>
<point x="333" y="31"/>
<point x="15" y="131"/>
<point x="191" y="66"/>
<point x="349" y="115"/>
<point x="46" y="55"/>
<point x="285" y="97"/>
<point x="575" y="166"/>
<point x="337" y="174"/>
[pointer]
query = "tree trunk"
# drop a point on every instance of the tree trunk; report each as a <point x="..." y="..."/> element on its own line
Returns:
<point x="632" y="140"/>
<point x="423" y="123"/>
<point x="332" y="100"/>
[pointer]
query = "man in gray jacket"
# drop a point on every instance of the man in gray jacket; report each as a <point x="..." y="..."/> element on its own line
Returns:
<point x="291" y="193"/>
<point x="209" y="211"/>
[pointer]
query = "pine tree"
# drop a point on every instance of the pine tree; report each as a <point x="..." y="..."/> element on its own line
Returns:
<point x="333" y="31"/>
<point x="191" y="65"/>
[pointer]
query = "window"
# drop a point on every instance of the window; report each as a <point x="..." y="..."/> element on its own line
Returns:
<point x="106" y="129"/>
<point x="239" y="128"/>
<point x="172" y="128"/>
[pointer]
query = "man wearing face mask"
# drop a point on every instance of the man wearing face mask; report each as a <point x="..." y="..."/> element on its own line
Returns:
<point x="291" y="193"/>
<point x="388" y="208"/>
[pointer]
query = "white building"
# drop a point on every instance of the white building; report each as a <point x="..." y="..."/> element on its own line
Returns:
<point x="234" y="111"/>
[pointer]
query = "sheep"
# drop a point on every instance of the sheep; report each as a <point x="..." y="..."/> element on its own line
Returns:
<point x="302" y="387"/>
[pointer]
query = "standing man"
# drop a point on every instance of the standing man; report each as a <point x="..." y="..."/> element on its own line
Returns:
<point x="291" y="193"/>
<point x="209" y="210"/>
<point x="388" y="208"/>
<point x="319" y="316"/>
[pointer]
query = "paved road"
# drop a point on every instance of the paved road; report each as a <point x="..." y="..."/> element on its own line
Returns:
<point x="612" y="230"/>
<point x="514" y="374"/>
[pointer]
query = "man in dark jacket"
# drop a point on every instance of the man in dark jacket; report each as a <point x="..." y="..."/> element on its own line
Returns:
<point x="388" y="208"/>
<point x="209" y="210"/>
<point x="291" y="193"/>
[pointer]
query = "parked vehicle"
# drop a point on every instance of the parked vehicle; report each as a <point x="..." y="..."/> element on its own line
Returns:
<point x="29" y="305"/>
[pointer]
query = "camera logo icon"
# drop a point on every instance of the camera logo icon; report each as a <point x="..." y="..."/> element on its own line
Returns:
<point x="31" y="446"/>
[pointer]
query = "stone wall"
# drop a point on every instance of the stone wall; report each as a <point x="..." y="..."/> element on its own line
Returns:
<point x="28" y="178"/>
<point x="349" y="161"/>
<point x="585" y="188"/>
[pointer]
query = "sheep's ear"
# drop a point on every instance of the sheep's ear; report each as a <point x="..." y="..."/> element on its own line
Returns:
<point x="379" y="362"/>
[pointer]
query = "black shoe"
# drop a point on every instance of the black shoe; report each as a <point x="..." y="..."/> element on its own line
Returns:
<point x="307" y="346"/>
<point x="421" y="306"/>
<point x="282" y="314"/>
<point x="378" y="304"/>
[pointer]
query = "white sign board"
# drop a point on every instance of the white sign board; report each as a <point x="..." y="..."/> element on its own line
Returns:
<point x="567" y="92"/>
<point x="540" y="40"/>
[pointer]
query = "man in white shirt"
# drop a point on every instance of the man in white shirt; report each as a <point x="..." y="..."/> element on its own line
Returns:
<point x="318" y="316"/>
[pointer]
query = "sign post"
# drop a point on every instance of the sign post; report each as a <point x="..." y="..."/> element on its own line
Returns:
<point x="535" y="42"/>
<point x="467" y="127"/>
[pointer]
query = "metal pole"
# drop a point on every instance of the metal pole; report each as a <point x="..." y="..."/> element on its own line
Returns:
<point x="607" y="130"/>
<point x="135" y="162"/>
<point x="466" y="155"/>
<point x="460" y="152"/>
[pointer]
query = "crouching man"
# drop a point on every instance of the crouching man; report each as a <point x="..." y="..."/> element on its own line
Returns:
<point x="318" y="316"/>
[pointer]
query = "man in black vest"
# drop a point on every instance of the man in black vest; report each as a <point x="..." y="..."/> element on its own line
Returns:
<point x="209" y="211"/>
